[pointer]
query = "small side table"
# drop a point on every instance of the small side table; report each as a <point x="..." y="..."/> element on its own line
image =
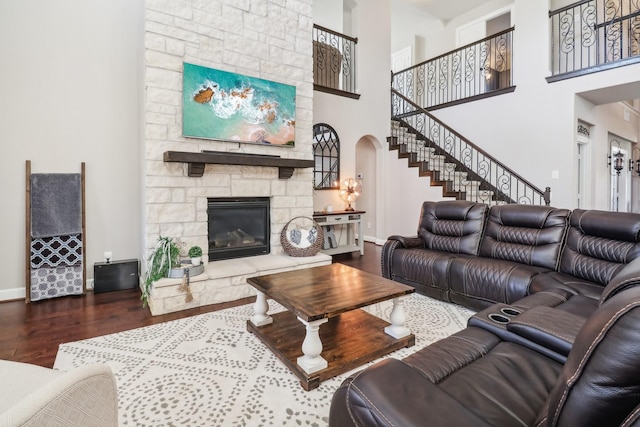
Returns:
<point x="115" y="275"/>
<point x="351" y="220"/>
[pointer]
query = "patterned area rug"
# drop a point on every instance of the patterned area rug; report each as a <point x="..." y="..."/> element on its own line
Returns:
<point x="207" y="370"/>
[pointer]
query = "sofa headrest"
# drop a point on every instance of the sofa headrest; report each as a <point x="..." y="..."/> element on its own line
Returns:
<point x="600" y="382"/>
<point x="623" y="226"/>
<point x="530" y="235"/>
<point x="627" y="278"/>
<point x="599" y="244"/>
<point x="452" y="226"/>
<point x="528" y="216"/>
<point x="459" y="210"/>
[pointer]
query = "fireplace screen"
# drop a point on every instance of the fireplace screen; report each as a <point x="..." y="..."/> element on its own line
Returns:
<point x="238" y="227"/>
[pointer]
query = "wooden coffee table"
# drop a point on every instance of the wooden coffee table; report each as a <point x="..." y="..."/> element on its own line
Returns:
<point x="329" y="296"/>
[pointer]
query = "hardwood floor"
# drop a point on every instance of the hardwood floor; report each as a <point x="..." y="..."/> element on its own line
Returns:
<point x="32" y="332"/>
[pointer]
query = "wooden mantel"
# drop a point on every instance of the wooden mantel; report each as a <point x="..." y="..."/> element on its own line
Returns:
<point x="196" y="161"/>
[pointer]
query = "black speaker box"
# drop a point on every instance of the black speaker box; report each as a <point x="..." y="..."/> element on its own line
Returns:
<point x="115" y="275"/>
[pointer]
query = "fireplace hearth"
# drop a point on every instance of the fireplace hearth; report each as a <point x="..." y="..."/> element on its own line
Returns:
<point x="238" y="227"/>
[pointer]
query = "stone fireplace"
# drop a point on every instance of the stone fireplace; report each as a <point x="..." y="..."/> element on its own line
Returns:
<point x="268" y="40"/>
<point x="185" y="213"/>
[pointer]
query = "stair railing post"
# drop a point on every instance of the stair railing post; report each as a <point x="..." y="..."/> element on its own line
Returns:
<point x="547" y="196"/>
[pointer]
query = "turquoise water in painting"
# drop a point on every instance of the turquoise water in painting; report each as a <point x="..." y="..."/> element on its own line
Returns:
<point x="228" y="106"/>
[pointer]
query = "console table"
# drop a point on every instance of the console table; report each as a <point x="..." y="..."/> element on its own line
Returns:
<point x="346" y="219"/>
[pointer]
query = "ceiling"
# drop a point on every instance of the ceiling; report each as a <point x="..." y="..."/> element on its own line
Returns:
<point x="447" y="9"/>
<point x="612" y="94"/>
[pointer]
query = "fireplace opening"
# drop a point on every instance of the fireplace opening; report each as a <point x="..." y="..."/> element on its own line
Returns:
<point x="238" y="227"/>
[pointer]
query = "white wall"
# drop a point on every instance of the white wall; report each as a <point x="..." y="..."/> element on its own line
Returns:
<point x="411" y="26"/>
<point x="405" y="192"/>
<point x="70" y="94"/>
<point x="604" y="119"/>
<point x="533" y="129"/>
<point x="430" y="37"/>
<point x="483" y="12"/>
<point x="399" y="190"/>
<point x="328" y="14"/>
<point x="370" y="115"/>
<point x="366" y="162"/>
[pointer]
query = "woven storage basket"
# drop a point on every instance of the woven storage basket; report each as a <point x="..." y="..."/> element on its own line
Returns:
<point x="301" y="236"/>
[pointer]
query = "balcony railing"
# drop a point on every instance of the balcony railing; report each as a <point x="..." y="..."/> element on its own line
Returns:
<point x="477" y="70"/>
<point x="594" y="35"/>
<point x="334" y="62"/>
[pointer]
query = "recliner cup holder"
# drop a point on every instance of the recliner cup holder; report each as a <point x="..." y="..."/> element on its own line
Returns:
<point x="510" y="311"/>
<point x="498" y="318"/>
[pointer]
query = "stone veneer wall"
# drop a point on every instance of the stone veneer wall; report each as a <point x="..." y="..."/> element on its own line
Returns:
<point x="269" y="39"/>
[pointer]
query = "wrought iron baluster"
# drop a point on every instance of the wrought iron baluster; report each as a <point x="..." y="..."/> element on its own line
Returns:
<point x="334" y="56"/>
<point x="459" y="74"/>
<point x="591" y="33"/>
<point x="456" y="154"/>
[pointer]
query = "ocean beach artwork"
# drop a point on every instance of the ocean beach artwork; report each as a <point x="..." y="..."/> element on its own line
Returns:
<point x="232" y="107"/>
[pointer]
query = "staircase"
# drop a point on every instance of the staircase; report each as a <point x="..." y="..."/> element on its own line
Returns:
<point x="462" y="169"/>
<point x="419" y="154"/>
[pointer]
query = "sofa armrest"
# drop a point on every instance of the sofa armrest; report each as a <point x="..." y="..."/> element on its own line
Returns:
<point x="408" y="242"/>
<point x="627" y="277"/>
<point x="392" y="393"/>
<point x="83" y="396"/>
<point x="396" y="242"/>
<point x="546" y="298"/>
<point x="549" y="327"/>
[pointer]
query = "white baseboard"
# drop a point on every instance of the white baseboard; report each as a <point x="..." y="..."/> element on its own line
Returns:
<point x="375" y="240"/>
<point x="20" y="293"/>
<point x="12" y="294"/>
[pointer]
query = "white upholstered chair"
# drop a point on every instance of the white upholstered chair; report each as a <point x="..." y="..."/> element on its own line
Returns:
<point x="35" y="396"/>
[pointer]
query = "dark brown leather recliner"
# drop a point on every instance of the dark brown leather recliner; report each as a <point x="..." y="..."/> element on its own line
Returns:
<point x="599" y="245"/>
<point x="446" y="230"/>
<point x="549" y="321"/>
<point x="478" y="379"/>
<point x="519" y="243"/>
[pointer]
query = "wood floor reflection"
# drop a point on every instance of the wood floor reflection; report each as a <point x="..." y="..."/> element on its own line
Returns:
<point x="32" y="332"/>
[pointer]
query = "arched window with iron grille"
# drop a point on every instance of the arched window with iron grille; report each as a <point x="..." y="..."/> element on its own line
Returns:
<point x="326" y="154"/>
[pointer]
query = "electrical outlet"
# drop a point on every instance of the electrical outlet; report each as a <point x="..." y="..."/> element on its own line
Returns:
<point x="369" y="225"/>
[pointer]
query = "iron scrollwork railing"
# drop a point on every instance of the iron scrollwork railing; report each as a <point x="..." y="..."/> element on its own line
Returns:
<point x="334" y="61"/>
<point x="592" y="35"/>
<point x="458" y="160"/>
<point x="473" y="70"/>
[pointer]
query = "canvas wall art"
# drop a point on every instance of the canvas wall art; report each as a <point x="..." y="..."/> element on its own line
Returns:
<point x="232" y="107"/>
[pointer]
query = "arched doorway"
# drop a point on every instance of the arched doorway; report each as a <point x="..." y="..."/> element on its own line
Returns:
<point x="367" y="152"/>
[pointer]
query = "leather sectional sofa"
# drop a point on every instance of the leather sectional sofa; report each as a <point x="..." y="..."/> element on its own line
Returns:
<point x="475" y="378"/>
<point x="557" y="337"/>
<point x="471" y="255"/>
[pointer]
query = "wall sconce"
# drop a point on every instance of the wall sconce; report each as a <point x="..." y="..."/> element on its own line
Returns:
<point x="635" y="153"/>
<point x="615" y="162"/>
<point x="350" y="192"/>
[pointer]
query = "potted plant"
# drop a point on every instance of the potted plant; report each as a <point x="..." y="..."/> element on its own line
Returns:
<point x="195" y="253"/>
<point x="164" y="256"/>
